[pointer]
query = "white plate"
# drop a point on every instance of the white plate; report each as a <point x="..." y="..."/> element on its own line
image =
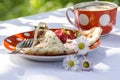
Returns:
<point x="11" y="42"/>
<point x="44" y="58"/>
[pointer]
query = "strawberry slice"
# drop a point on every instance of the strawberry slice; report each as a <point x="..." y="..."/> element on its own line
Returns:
<point x="71" y="34"/>
<point x="62" y="34"/>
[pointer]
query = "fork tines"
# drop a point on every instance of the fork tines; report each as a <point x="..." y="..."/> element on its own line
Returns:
<point x="26" y="43"/>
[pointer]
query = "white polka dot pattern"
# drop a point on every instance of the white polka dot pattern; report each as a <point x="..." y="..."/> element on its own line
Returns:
<point x="104" y="19"/>
<point x="26" y="34"/>
<point x="18" y="39"/>
<point x="11" y="47"/>
<point x="8" y="40"/>
<point x="84" y="20"/>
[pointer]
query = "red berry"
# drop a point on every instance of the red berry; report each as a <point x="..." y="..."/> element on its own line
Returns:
<point x="71" y="35"/>
<point x="61" y="35"/>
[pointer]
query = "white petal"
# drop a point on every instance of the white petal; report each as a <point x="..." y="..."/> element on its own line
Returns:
<point x="83" y="38"/>
<point x="75" y="68"/>
<point x="66" y="68"/>
<point x="65" y="62"/>
<point x="78" y="39"/>
<point x="67" y="59"/>
<point x="77" y="62"/>
<point x="75" y="59"/>
<point x="72" y="57"/>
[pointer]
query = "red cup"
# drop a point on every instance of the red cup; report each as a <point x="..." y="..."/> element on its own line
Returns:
<point x="94" y="14"/>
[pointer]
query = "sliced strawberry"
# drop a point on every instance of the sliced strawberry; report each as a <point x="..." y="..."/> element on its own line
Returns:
<point x="61" y="34"/>
<point x="71" y="34"/>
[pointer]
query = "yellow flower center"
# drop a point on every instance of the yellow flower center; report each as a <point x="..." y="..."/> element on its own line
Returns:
<point x="71" y="63"/>
<point x="81" y="46"/>
<point x="86" y="64"/>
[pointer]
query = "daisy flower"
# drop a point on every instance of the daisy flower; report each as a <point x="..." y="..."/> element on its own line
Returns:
<point x="85" y="64"/>
<point x="71" y="63"/>
<point x="82" y="45"/>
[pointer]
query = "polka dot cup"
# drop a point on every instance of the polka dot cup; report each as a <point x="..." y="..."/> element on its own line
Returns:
<point x="94" y="14"/>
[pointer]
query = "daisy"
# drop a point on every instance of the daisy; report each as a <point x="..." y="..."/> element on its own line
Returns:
<point x="85" y="64"/>
<point x="82" y="45"/>
<point x="71" y="63"/>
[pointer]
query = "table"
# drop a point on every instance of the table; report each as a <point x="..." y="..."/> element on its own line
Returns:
<point x="105" y="58"/>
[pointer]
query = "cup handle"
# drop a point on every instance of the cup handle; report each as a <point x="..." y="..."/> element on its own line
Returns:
<point x="67" y="15"/>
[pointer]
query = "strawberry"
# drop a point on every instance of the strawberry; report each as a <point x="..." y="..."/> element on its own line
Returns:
<point x="62" y="34"/>
<point x="71" y="34"/>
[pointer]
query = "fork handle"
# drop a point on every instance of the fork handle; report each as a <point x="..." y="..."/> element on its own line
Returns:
<point x="16" y="51"/>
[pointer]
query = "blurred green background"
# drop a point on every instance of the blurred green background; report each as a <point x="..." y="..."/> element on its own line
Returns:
<point x="16" y="8"/>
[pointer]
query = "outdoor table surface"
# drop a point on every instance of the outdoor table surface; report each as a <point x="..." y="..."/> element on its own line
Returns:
<point x="105" y="58"/>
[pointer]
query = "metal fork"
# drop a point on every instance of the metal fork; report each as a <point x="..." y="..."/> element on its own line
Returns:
<point x="26" y="43"/>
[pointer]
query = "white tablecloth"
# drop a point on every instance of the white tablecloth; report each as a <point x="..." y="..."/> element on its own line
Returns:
<point x="105" y="58"/>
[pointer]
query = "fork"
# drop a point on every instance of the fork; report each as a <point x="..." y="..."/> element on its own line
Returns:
<point x="26" y="43"/>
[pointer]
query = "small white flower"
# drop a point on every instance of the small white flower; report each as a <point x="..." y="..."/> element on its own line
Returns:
<point x="82" y="45"/>
<point x="71" y="63"/>
<point x="85" y="64"/>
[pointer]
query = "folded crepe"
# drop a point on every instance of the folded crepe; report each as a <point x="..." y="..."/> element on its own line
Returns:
<point x="47" y="43"/>
<point x="92" y="35"/>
